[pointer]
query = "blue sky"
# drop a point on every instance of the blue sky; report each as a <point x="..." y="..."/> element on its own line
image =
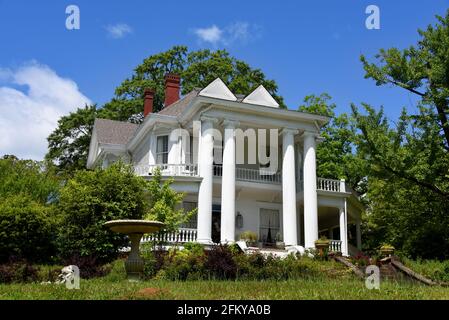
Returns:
<point x="307" y="47"/>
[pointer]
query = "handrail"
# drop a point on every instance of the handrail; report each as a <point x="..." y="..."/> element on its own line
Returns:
<point x="189" y="170"/>
<point x="254" y="175"/>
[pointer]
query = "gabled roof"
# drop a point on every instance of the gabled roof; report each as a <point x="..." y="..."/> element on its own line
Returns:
<point x="114" y="132"/>
<point x="217" y="89"/>
<point x="262" y="97"/>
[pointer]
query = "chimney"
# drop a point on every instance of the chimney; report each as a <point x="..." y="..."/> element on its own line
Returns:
<point x="172" y="84"/>
<point x="148" y="101"/>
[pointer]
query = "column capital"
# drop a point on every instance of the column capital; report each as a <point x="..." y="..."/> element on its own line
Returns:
<point x="230" y="123"/>
<point x="209" y="119"/>
<point x="289" y="131"/>
<point x="310" y="134"/>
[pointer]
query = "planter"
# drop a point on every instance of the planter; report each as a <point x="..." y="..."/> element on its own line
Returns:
<point x="321" y="246"/>
<point x="135" y="229"/>
<point x="387" y="250"/>
<point x="280" y="244"/>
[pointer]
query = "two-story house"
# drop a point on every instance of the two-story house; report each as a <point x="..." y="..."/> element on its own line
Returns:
<point x="243" y="161"/>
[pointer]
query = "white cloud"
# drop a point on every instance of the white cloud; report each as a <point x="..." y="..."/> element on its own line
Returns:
<point x="119" y="31"/>
<point x="212" y="34"/>
<point x="241" y="32"/>
<point x="27" y="117"/>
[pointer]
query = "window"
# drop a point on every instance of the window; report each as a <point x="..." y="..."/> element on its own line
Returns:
<point x="192" y="223"/>
<point x="162" y="150"/>
<point x="269" y="228"/>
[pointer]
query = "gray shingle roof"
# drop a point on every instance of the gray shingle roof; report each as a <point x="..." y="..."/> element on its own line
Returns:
<point x="179" y="106"/>
<point x="114" y="132"/>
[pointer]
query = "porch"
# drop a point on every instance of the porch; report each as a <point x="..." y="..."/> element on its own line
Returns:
<point x="185" y="235"/>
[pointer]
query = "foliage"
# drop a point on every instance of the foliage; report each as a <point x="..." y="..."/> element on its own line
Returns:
<point x="26" y="229"/>
<point x="34" y="179"/>
<point x="18" y="271"/>
<point x="69" y="143"/>
<point x="164" y="203"/>
<point x="90" y="199"/>
<point x="220" y="263"/>
<point x="249" y="235"/>
<point x="433" y="269"/>
<point x="408" y="163"/>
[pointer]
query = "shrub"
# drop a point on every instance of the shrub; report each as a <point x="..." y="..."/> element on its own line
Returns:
<point x="220" y="263"/>
<point x="18" y="271"/>
<point x="90" y="199"/>
<point x="89" y="266"/>
<point x="183" y="265"/>
<point x="26" y="230"/>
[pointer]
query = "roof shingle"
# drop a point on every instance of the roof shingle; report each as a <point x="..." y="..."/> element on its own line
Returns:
<point x="114" y="132"/>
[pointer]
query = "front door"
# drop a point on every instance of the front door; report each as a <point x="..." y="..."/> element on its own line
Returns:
<point x="216" y="223"/>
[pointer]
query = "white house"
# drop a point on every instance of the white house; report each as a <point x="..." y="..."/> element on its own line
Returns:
<point x="243" y="161"/>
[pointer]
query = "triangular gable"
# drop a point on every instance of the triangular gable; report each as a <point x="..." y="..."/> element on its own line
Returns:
<point x="217" y="89"/>
<point x="261" y="97"/>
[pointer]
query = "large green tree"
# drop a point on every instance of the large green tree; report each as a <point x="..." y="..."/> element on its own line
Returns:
<point x="69" y="143"/>
<point x="408" y="162"/>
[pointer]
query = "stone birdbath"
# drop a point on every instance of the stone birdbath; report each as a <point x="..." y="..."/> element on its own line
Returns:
<point x="135" y="229"/>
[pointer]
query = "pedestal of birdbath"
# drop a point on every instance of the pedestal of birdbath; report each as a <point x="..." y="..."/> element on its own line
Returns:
<point x="135" y="229"/>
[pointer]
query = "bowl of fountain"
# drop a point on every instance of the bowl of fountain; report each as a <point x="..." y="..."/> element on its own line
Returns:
<point x="134" y="229"/>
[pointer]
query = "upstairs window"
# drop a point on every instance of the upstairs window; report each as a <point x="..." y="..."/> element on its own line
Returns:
<point x="162" y="150"/>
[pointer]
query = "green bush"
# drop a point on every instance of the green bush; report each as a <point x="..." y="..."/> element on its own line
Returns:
<point x="27" y="230"/>
<point x="90" y="199"/>
<point x="433" y="269"/>
<point x="183" y="265"/>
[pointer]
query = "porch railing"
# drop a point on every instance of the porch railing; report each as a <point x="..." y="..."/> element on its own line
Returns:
<point x="241" y="174"/>
<point x="253" y="175"/>
<point x="328" y="185"/>
<point x="186" y="170"/>
<point x="182" y="235"/>
<point x="335" y="245"/>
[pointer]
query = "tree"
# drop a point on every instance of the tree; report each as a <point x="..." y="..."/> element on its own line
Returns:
<point x="69" y="143"/>
<point x="165" y="203"/>
<point x="409" y="161"/>
<point x="422" y="69"/>
<point x="336" y="154"/>
<point x="90" y="199"/>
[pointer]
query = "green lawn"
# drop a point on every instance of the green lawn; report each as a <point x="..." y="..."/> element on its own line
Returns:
<point x="104" y="288"/>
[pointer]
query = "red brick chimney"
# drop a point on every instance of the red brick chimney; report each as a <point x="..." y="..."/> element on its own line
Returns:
<point x="148" y="101"/>
<point x="172" y="85"/>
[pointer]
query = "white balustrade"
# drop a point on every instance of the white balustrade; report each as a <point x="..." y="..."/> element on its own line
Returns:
<point x="189" y="170"/>
<point x="335" y="245"/>
<point x="253" y="175"/>
<point x="328" y="185"/>
<point x="182" y="235"/>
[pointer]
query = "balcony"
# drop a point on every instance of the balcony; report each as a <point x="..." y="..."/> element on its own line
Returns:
<point x="241" y="174"/>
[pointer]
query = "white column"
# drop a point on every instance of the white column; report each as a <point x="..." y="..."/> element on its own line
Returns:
<point x="289" y="188"/>
<point x="358" y="233"/>
<point x="310" y="195"/>
<point x="344" y="229"/>
<point x="204" y="227"/>
<point x="228" y="184"/>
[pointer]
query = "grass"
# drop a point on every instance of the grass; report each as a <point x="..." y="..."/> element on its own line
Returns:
<point x="103" y="288"/>
<point x="433" y="269"/>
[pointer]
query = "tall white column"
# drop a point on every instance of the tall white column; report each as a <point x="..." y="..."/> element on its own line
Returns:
<point x="344" y="229"/>
<point x="358" y="233"/>
<point x="310" y="195"/>
<point x="204" y="226"/>
<point x="228" y="184"/>
<point x="289" y="188"/>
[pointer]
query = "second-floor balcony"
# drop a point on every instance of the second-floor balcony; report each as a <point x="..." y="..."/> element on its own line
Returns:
<point x="241" y="174"/>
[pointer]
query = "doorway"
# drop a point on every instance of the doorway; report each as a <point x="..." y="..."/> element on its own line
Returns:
<point x="216" y="223"/>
